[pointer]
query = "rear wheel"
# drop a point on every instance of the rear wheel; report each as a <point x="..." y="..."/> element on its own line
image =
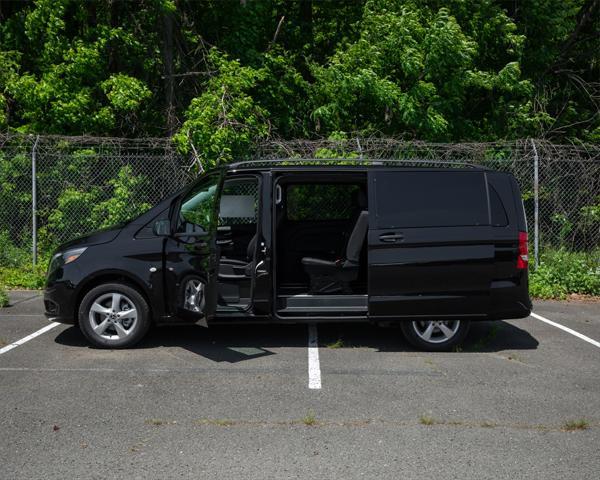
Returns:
<point x="435" y="335"/>
<point x="114" y="315"/>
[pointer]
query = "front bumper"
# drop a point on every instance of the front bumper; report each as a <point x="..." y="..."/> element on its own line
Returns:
<point x="59" y="304"/>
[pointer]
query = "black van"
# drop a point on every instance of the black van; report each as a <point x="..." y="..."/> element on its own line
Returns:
<point x="290" y="241"/>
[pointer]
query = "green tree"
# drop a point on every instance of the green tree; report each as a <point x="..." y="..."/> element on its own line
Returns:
<point x="441" y="70"/>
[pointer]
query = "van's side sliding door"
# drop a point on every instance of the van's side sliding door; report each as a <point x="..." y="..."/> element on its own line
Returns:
<point x="431" y="248"/>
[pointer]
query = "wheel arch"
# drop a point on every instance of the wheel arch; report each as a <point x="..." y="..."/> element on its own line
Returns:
<point x="113" y="276"/>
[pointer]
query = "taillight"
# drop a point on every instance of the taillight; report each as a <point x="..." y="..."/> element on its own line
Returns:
<point x="523" y="258"/>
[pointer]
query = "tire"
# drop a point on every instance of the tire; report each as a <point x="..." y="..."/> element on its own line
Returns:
<point x="114" y="315"/>
<point x="435" y="335"/>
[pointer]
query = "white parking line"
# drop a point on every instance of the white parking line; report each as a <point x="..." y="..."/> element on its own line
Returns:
<point x="566" y="329"/>
<point x="314" y="369"/>
<point x="28" y="337"/>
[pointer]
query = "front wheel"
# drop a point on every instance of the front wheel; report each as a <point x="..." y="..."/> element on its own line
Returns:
<point x="114" y="315"/>
<point x="435" y="335"/>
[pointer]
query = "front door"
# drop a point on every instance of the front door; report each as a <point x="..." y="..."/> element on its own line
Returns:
<point x="243" y="239"/>
<point x="191" y="258"/>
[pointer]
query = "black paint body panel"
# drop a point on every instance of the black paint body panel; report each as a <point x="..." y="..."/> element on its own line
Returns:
<point x="434" y="272"/>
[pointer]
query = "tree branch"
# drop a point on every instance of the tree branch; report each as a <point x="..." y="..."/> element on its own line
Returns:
<point x="277" y="31"/>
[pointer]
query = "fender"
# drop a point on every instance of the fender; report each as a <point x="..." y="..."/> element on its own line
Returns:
<point x="104" y="276"/>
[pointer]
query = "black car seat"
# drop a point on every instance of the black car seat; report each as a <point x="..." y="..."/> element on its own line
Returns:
<point x="232" y="269"/>
<point x="328" y="276"/>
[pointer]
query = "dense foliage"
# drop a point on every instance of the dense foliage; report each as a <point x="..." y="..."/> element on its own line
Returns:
<point x="3" y="297"/>
<point x="218" y="75"/>
<point x="562" y="272"/>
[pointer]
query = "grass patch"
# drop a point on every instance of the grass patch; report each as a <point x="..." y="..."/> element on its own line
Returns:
<point x="426" y="420"/>
<point x="309" y="419"/>
<point x="561" y="273"/>
<point x="339" y="343"/>
<point x="573" y="425"/>
<point x="3" y="297"/>
<point x="26" y="277"/>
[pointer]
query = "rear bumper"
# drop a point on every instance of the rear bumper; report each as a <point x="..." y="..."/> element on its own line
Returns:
<point x="509" y="300"/>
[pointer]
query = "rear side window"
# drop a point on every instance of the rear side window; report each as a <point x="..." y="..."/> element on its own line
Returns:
<point x="499" y="217"/>
<point x="430" y="199"/>
<point x="320" y="201"/>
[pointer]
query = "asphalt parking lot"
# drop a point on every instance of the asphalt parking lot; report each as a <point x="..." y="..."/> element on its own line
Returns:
<point x="235" y="402"/>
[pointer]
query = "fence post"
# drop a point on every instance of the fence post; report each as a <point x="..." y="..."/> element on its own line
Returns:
<point x="359" y="148"/>
<point x="34" y="201"/>
<point x="536" y="206"/>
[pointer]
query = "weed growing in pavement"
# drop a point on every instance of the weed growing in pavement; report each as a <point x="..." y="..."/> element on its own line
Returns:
<point x="309" y="419"/>
<point x="486" y="424"/>
<point x="339" y="343"/>
<point x="426" y="420"/>
<point x="157" y="422"/>
<point x="573" y="425"/>
<point x="222" y="422"/>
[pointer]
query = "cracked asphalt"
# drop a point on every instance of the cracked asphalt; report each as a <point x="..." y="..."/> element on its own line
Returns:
<point x="233" y="402"/>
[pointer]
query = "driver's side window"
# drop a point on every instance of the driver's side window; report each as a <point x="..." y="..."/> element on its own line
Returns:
<point x="197" y="211"/>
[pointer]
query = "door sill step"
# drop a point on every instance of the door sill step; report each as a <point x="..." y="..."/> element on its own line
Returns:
<point x="322" y="304"/>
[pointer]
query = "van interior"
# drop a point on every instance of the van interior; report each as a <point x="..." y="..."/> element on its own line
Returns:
<point x="320" y="227"/>
<point x="319" y="244"/>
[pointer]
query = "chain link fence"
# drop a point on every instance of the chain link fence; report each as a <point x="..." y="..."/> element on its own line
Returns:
<point x="76" y="185"/>
<point x="560" y="183"/>
<point x="55" y="188"/>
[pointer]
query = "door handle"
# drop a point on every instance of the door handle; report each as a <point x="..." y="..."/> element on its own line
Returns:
<point x="259" y="266"/>
<point x="391" y="237"/>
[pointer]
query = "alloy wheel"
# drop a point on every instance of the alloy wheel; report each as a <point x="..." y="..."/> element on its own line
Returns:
<point x="194" y="295"/>
<point x="113" y="316"/>
<point x="436" y="331"/>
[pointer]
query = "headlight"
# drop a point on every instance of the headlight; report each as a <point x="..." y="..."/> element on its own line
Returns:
<point x="62" y="258"/>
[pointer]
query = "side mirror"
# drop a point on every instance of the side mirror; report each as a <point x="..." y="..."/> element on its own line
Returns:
<point x="162" y="228"/>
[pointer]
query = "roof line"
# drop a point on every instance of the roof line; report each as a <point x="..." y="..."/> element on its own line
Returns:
<point x="350" y="162"/>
